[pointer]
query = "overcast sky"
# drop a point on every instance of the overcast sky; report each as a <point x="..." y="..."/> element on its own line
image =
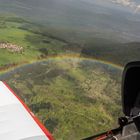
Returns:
<point x="133" y="5"/>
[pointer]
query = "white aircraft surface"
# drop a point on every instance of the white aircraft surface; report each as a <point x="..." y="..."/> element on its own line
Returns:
<point x="17" y="122"/>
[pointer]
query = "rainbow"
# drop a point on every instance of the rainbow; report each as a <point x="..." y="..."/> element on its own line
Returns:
<point x="63" y="57"/>
<point x="78" y="56"/>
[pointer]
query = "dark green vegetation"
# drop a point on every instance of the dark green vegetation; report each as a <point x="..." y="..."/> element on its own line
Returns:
<point x="74" y="98"/>
<point x="118" y="53"/>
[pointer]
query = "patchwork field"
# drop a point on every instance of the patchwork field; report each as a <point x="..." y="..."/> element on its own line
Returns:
<point x="73" y="97"/>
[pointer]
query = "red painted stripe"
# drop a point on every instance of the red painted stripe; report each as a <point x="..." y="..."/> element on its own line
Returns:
<point x="43" y="128"/>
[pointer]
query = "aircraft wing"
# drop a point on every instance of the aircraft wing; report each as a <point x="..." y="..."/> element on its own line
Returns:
<point x="17" y="122"/>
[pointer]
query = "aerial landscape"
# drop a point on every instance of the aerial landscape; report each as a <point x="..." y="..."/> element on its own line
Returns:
<point x="65" y="58"/>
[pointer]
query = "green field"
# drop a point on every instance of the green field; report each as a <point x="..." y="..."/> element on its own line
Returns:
<point x="74" y="98"/>
<point x="35" y="45"/>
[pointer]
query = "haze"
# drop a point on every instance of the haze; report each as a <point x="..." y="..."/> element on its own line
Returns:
<point x="119" y="18"/>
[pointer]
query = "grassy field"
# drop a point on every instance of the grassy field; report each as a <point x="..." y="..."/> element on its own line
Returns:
<point x="35" y="46"/>
<point x="73" y="98"/>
